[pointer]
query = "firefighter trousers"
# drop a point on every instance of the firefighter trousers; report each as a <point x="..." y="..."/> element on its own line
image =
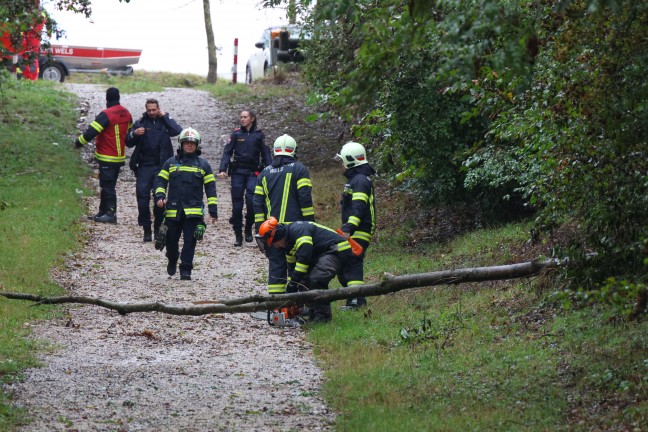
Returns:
<point x="108" y="174"/>
<point x="186" y="227"/>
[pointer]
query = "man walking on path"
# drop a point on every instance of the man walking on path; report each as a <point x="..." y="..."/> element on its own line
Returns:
<point x="244" y="156"/>
<point x="358" y="205"/>
<point x="110" y="128"/>
<point x="179" y="188"/>
<point x="284" y="191"/>
<point x="151" y="137"/>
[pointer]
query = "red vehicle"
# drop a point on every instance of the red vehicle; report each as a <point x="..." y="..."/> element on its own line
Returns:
<point x="58" y="61"/>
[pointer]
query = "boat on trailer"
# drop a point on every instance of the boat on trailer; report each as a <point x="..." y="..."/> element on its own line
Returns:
<point x="58" y="61"/>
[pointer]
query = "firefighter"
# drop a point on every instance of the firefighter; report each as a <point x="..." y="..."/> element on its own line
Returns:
<point x="358" y="204"/>
<point x="316" y="254"/>
<point x="244" y="156"/>
<point x="179" y="188"/>
<point x="151" y="137"/>
<point x="110" y="128"/>
<point x="284" y="191"/>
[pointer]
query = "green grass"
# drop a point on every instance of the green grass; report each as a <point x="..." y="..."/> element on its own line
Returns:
<point x="40" y="185"/>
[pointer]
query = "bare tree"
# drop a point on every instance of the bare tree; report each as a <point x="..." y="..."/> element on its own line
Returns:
<point x="211" y="44"/>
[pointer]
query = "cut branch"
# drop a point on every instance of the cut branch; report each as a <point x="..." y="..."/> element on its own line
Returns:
<point x="260" y="302"/>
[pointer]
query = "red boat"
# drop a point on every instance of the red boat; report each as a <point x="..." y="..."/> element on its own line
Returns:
<point x="58" y="61"/>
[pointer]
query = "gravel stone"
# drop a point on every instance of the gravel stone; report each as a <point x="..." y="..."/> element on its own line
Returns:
<point x="157" y="372"/>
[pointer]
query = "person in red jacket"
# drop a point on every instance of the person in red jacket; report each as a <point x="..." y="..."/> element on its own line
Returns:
<point x="109" y="128"/>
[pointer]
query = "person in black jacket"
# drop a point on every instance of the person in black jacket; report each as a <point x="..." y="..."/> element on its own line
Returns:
<point x="151" y="137"/>
<point x="244" y="156"/>
<point x="316" y="254"/>
<point x="283" y="190"/>
<point x="358" y="205"/>
<point x="179" y="188"/>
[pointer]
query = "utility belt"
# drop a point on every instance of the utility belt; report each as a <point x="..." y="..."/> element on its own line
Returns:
<point x="249" y="166"/>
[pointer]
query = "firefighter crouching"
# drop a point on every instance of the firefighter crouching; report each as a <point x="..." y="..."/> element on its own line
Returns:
<point x="315" y="255"/>
<point x="358" y="203"/>
<point x="179" y="187"/>
<point x="283" y="191"/>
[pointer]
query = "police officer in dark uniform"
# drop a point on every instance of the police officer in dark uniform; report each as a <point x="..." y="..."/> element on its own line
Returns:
<point x="179" y="187"/>
<point x="110" y="128"/>
<point x="244" y="156"/>
<point x="358" y="204"/>
<point x="151" y="137"/>
<point x="316" y="254"/>
<point x="284" y="190"/>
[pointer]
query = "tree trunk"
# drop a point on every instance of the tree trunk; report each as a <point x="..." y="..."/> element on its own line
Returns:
<point x="388" y="284"/>
<point x="211" y="45"/>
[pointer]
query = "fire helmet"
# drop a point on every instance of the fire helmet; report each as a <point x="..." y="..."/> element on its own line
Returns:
<point x="269" y="231"/>
<point x="285" y="145"/>
<point x="352" y="155"/>
<point x="189" y="135"/>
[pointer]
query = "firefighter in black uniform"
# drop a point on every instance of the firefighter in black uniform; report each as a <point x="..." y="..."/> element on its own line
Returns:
<point x="358" y="204"/>
<point x="185" y="176"/>
<point x="284" y="191"/>
<point x="244" y="156"/>
<point x="151" y="137"/>
<point x="316" y="254"/>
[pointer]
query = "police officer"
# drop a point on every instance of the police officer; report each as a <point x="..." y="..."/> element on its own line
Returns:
<point x="151" y="137"/>
<point x="358" y="204"/>
<point x="316" y="254"/>
<point x="110" y="128"/>
<point x="179" y="187"/>
<point x="284" y="191"/>
<point x="244" y="156"/>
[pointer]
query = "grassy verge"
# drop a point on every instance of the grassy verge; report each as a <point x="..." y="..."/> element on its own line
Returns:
<point x="40" y="185"/>
<point x="490" y="356"/>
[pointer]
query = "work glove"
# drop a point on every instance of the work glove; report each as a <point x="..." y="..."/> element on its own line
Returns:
<point x="199" y="232"/>
<point x="77" y="143"/>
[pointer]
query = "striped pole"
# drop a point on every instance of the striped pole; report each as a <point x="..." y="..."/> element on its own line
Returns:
<point x="234" y="66"/>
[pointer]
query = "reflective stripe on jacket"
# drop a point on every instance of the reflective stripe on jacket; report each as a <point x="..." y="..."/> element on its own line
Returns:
<point x="110" y="128"/>
<point x="181" y="181"/>
<point x="284" y="190"/>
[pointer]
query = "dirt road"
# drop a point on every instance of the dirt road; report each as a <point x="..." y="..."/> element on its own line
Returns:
<point x="154" y="372"/>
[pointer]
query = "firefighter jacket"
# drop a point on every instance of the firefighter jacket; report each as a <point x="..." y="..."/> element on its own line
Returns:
<point x="154" y="147"/>
<point x="358" y="203"/>
<point x="181" y="181"/>
<point x="110" y="128"/>
<point x="307" y="241"/>
<point x="245" y="152"/>
<point x="283" y="190"/>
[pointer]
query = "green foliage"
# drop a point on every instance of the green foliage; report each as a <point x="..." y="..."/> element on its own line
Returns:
<point x="490" y="102"/>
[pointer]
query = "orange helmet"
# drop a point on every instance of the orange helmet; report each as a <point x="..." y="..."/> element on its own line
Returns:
<point x="267" y="230"/>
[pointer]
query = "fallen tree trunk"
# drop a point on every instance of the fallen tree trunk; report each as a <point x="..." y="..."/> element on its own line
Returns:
<point x="389" y="284"/>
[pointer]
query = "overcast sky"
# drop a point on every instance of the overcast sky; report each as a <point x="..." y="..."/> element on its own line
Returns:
<point x="171" y="33"/>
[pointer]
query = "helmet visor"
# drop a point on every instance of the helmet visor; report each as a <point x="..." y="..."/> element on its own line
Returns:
<point x="337" y="157"/>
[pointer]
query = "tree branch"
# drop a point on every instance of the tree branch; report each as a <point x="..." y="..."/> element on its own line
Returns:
<point x="260" y="302"/>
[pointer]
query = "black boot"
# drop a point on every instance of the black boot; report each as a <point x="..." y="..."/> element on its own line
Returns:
<point x="248" y="234"/>
<point x="108" y="217"/>
<point x="148" y="234"/>
<point x="172" y="266"/>
<point x="238" y="233"/>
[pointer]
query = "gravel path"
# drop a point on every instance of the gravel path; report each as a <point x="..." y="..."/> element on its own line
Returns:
<point x="155" y="372"/>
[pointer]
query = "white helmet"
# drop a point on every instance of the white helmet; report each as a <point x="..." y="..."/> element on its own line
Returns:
<point x="285" y="145"/>
<point x="352" y="155"/>
<point x="189" y="135"/>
